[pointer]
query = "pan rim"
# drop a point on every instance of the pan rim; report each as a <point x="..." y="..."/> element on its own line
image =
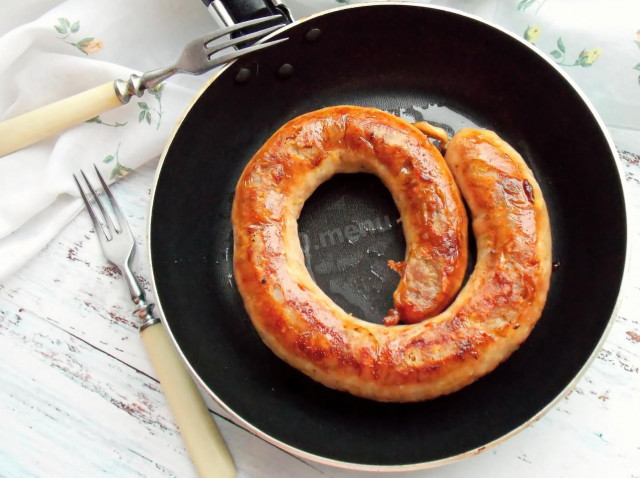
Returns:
<point x="238" y="420"/>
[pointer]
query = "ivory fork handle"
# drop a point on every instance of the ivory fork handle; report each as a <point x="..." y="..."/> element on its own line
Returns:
<point x="206" y="446"/>
<point x="24" y="130"/>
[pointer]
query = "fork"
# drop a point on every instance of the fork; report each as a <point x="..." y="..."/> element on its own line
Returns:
<point x="206" y="446"/>
<point x="197" y="57"/>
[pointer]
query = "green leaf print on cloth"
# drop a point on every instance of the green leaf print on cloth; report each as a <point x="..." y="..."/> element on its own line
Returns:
<point x="87" y="45"/>
<point x="118" y="171"/>
<point x="98" y="120"/>
<point x="147" y="112"/>
<point x="524" y="4"/>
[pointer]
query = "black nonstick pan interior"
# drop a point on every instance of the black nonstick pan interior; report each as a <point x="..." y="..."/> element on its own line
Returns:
<point x="420" y="63"/>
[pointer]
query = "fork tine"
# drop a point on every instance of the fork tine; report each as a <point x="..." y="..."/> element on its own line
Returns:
<point x="239" y="26"/>
<point x="96" y="223"/>
<point x="233" y="55"/>
<point x="122" y="221"/>
<point x="235" y="41"/>
<point x="107" y="218"/>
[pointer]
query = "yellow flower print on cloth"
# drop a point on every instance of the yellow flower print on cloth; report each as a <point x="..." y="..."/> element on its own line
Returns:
<point x="87" y="45"/>
<point x="531" y="34"/>
<point x="94" y="46"/>
<point x="586" y="58"/>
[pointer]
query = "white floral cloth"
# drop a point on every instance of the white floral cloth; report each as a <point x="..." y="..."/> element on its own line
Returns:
<point x="52" y="49"/>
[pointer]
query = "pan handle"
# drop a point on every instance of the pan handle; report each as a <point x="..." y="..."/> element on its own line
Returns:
<point x="230" y="12"/>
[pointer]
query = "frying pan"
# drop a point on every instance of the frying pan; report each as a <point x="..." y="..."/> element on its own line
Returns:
<point x="419" y="62"/>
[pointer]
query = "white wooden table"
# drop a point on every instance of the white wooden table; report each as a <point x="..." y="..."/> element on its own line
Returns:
<point x="78" y="396"/>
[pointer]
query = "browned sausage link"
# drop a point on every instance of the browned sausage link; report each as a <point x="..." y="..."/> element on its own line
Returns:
<point x="311" y="148"/>
<point x="491" y="316"/>
<point x="434" y="132"/>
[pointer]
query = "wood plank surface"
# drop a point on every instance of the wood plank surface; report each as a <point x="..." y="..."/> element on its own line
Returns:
<point x="78" y="396"/>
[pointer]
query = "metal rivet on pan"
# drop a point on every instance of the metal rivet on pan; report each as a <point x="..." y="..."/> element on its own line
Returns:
<point x="285" y="71"/>
<point x="243" y="75"/>
<point x="313" y="35"/>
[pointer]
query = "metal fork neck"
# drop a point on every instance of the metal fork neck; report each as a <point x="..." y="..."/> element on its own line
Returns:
<point x="137" y="84"/>
<point x="144" y="309"/>
<point x="145" y="313"/>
